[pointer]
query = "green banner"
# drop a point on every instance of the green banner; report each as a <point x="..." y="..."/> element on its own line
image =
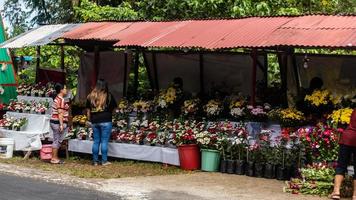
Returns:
<point x="7" y="73"/>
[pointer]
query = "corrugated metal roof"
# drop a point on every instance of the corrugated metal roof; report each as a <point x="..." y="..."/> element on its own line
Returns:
<point x="252" y="32"/>
<point x="38" y="36"/>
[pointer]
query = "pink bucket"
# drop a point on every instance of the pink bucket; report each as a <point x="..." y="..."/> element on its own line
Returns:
<point x="46" y="152"/>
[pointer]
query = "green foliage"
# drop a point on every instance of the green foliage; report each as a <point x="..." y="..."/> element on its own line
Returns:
<point x="50" y="58"/>
<point x="88" y="11"/>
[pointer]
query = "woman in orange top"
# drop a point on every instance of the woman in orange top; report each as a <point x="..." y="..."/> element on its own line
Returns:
<point x="59" y="121"/>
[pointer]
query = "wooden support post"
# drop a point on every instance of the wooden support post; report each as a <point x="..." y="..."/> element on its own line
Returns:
<point x="124" y="90"/>
<point x="254" y="76"/>
<point x="136" y="73"/>
<point x="296" y="71"/>
<point x="96" y="65"/>
<point x="38" y="55"/>
<point x="62" y="57"/>
<point x="266" y="69"/>
<point x="149" y="74"/>
<point x="201" y="71"/>
<point x="282" y="60"/>
<point x="154" y="63"/>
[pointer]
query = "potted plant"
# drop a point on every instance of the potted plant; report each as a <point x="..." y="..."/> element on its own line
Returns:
<point x="256" y="116"/>
<point x="241" y="143"/>
<point x="251" y="155"/>
<point x="209" y="144"/>
<point x="188" y="150"/>
<point x="213" y="109"/>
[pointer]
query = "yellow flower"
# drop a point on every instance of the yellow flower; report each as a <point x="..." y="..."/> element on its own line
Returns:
<point x="341" y="116"/>
<point x="318" y="98"/>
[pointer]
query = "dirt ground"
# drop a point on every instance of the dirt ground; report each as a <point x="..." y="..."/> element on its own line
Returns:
<point x="195" y="186"/>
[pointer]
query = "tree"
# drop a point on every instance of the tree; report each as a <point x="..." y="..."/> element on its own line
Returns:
<point x="17" y="17"/>
<point x="88" y="11"/>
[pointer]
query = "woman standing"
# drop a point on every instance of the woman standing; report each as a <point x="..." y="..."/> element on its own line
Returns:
<point x="347" y="148"/>
<point x="59" y="121"/>
<point x="100" y="104"/>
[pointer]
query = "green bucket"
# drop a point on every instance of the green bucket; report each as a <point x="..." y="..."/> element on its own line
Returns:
<point x="210" y="160"/>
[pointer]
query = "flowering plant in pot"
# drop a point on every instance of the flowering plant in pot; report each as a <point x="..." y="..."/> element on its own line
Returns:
<point x="341" y="117"/>
<point x="141" y="108"/>
<point x="318" y="103"/>
<point x="320" y="142"/>
<point x="189" y="155"/>
<point x="288" y="154"/>
<point x="213" y="109"/>
<point x="258" y="113"/>
<point x="238" y="109"/>
<point x="151" y="138"/>
<point x="190" y="108"/>
<point x="265" y="156"/>
<point x="123" y="109"/>
<point x="290" y="117"/>
<point x="240" y="144"/>
<point x="209" y="144"/>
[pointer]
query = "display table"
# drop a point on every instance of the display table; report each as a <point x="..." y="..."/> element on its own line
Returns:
<point x="36" y="129"/>
<point x="130" y="151"/>
<point x="24" y="140"/>
<point x="37" y="99"/>
<point x="36" y="122"/>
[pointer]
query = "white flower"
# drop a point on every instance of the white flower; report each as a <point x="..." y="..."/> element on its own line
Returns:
<point x="3" y="66"/>
<point x="1" y="90"/>
<point x="237" y="112"/>
<point x="162" y="103"/>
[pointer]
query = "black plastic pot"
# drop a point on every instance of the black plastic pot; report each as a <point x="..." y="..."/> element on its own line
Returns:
<point x="281" y="173"/>
<point x="223" y="165"/>
<point x="230" y="166"/>
<point x="240" y="167"/>
<point x="259" y="169"/>
<point x="292" y="172"/>
<point x="269" y="171"/>
<point x="250" y="167"/>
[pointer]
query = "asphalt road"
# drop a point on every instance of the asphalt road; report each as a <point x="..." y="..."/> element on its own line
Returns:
<point x="18" y="188"/>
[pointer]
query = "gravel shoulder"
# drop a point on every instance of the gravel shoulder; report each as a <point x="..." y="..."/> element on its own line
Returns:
<point x="199" y="186"/>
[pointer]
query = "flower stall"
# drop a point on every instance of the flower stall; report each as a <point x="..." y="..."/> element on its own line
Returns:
<point x="33" y="104"/>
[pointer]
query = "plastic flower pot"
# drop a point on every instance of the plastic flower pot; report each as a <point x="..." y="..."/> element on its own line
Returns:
<point x="259" y="168"/>
<point x="230" y="166"/>
<point x="189" y="156"/>
<point x="223" y="164"/>
<point x="240" y="167"/>
<point x="269" y="171"/>
<point x="210" y="160"/>
<point x="281" y="173"/>
<point x="250" y="167"/>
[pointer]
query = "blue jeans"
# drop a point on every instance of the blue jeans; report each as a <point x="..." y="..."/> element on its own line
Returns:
<point x="101" y="134"/>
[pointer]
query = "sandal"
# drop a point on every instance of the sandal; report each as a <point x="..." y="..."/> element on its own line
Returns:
<point x="60" y="162"/>
<point x="334" y="196"/>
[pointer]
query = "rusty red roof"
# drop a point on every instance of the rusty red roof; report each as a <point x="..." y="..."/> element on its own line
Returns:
<point x="253" y="32"/>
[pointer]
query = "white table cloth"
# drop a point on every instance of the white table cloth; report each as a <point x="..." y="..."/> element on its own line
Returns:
<point x="130" y="151"/>
<point x="24" y="140"/>
<point x="36" y="129"/>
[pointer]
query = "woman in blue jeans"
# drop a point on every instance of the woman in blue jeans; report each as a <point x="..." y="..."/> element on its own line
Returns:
<point x="100" y="104"/>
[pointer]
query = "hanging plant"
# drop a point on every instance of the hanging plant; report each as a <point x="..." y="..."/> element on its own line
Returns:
<point x="2" y="90"/>
<point x="3" y="66"/>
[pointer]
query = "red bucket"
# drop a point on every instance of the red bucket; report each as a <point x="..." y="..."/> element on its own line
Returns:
<point x="189" y="156"/>
<point x="46" y="152"/>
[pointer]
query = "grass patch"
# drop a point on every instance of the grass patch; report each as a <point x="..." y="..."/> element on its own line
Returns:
<point x="82" y="168"/>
